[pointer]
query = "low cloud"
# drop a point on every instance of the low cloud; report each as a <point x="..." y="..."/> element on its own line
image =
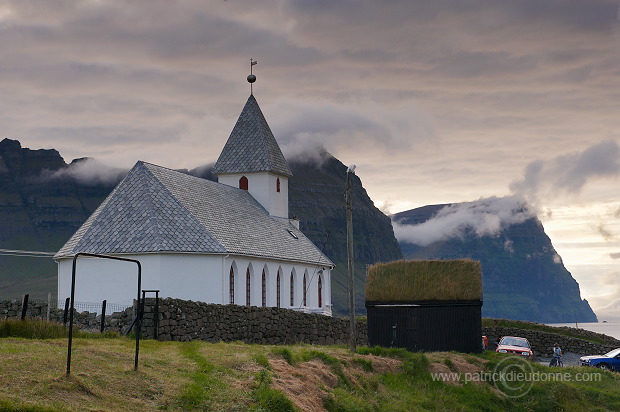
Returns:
<point x="307" y="130"/>
<point x="484" y="217"/>
<point x="544" y="179"/>
<point x="605" y="233"/>
<point x="87" y="171"/>
<point x="614" y="255"/>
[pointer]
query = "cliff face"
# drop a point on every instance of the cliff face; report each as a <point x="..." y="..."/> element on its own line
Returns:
<point x="523" y="277"/>
<point x="40" y="212"/>
<point x="41" y="209"/>
<point x="37" y="212"/>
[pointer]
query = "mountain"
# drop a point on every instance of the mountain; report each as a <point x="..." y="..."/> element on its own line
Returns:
<point x="38" y="212"/>
<point x="523" y="276"/>
<point x="43" y="201"/>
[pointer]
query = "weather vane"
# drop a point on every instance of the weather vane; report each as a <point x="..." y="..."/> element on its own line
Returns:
<point x="251" y="77"/>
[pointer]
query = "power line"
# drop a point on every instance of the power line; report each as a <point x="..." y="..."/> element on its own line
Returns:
<point x="26" y="253"/>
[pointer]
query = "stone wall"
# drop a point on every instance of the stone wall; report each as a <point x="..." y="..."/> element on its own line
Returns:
<point x="181" y="320"/>
<point x="186" y="320"/>
<point x="542" y="342"/>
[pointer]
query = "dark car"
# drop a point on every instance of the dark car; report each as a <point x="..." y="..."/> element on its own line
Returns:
<point x="514" y="345"/>
<point x="609" y="361"/>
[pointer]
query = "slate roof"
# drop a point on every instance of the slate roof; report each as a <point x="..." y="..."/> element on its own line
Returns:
<point x="251" y="146"/>
<point x="155" y="209"/>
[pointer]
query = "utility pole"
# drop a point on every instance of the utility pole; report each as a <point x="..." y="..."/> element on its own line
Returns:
<point x="352" y="331"/>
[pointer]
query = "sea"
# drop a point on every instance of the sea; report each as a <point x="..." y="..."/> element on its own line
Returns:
<point x="607" y="328"/>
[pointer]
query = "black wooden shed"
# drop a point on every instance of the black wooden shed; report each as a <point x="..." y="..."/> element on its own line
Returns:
<point x="425" y="305"/>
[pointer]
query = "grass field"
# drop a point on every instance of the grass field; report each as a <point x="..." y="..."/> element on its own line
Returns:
<point x="179" y="376"/>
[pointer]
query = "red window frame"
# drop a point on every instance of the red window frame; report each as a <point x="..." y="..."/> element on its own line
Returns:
<point x="231" y="284"/>
<point x="305" y="294"/>
<point x="264" y="289"/>
<point x="320" y="292"/>
<point x="278" y="290"/>
<point x="247" y="287"/>
<point x="243" y="183"/>
<point x="292" y="289"/>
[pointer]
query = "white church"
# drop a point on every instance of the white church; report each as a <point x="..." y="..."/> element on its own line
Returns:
<point x="230" y="242"/>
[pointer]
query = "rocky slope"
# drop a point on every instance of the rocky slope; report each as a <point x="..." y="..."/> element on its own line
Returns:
<point x="526" y="280"/>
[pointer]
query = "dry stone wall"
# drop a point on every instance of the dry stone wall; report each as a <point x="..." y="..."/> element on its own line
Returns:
<point x="181" y="320"/>
<point x="186" y="320"/>
<point x="542" y="342"/>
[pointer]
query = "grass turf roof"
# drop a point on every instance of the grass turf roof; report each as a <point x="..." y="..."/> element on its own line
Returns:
<point x="420" y="280"/>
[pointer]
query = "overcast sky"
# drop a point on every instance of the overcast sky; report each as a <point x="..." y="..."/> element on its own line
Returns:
<point x="435" y="102"/>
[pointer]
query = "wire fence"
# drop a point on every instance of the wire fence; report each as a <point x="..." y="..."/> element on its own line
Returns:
<point x="92" y="307"/>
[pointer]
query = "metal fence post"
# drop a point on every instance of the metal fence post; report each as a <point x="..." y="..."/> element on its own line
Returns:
<point x="103" y="315"/>
<point x="64" y="316"/>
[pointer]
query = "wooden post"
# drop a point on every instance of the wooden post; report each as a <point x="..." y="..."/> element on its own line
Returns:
<point x="49" y="302"/>
<point x="24" y="306"/>
<point x="352" y="331"/>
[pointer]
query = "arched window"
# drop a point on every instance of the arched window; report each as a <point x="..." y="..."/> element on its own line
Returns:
<point x="305" y="301"/>
<point x="320" y="292"/>
<point x="264" y="289"/>
<point x="292" y="289"/>
<point x="247" y="287"/>
<point x="278" y="290"/>
<point x="231" y="283"/>
<point x="243" y="183"/>
<point x="278" y="185"/>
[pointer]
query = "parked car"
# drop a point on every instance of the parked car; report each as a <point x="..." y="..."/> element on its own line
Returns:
<point x="609" y="361"/>
<point x="514" y="345"/>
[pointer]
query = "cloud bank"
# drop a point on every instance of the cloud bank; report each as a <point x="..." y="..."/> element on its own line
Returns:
<point x="87" y="171"/>
<point x="484" y="217"/>
<point x="542" y="179"/>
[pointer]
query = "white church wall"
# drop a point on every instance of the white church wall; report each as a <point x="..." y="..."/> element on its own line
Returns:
<point x="256" y="266"/>
<point x="192" y="277"/>
<point x="262" y="186"/>
<point x="104" y="279"/>
<point x="182" y="276"/>
<point x="278" y="201"/>
<point x="203" y="278"/>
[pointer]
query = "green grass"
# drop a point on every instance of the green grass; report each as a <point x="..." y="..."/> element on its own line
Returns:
<point x="419" y="280"/>
<point x="33" y="329"/>
<point x="185" y="376"/>
<point x="43" y="329"/>
<point x="267" y="398"/>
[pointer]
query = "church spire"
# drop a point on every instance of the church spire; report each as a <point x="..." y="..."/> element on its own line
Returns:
<point x="252" y="160"/>
<point x="251" y="146"/>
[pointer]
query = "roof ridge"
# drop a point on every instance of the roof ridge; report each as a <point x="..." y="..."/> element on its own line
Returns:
<point x="147" y="189"/>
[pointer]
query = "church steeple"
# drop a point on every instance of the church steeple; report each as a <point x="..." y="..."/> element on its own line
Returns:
<point x="253" y="161"/>
<point x="251" y="146"/>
